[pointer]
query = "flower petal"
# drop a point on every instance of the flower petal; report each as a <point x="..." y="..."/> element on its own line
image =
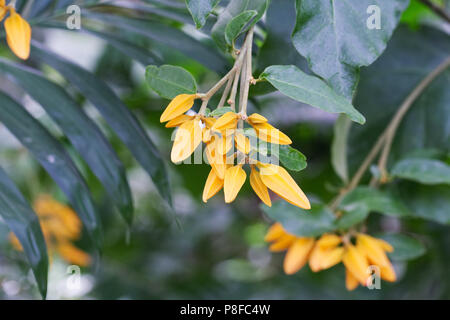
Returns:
<point x="388" y="273"/>
<point x="356" y="263"/>
<point x="283" y="243"/>
<point x="351" y="283"/>
<point x="297" y="255"/>
<point x="256" y="118"/>
<point x="176" y="122"/>
<point x="212" y="186"/>
<point x="268" y="133"/>
<point x="242" y="143"/>
<point x="279" y="181"/>
<point x="187" y="139"/>
<point x="275" y="232"/>
<point x="328" y="241"/>
<point x="179" y="105"/>
<point x="259" y="187"/>
<point x="18" y="35"/>
<point x="373" y="250"/>
<point x="226" y="122"/>
<point x="234" y="180"/>
<point x="322" y="259"/>
<point x="224" y="144"/>
<point x="216" y="161"/>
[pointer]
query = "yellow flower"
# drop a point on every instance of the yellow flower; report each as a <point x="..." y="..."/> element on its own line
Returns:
<point x="226" y="122"/>
<point x="278" y="180"/>
<point x="18" y="31"/>
<point x="233" y="182"/>
<point x="259" y="187"/>
<point x="178" y="106"/>
<point x="267" y="132"/>
<point x="328" y="251"/>
<point x="187" y="139"/>
<point x="60" y="226"/>
<point x="213" y="185"/>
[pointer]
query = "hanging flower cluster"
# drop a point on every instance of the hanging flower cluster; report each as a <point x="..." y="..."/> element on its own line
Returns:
<point x="18" y="31"/>
<point x="60" y="226"/>
<point x="331" y="249"/>
<point x="228" y="149"/>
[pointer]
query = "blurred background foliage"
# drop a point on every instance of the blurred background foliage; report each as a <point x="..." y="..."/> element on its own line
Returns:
<point x="216" y="251"/>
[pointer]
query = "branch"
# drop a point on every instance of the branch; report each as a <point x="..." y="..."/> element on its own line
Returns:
<point x="437" y="9"/>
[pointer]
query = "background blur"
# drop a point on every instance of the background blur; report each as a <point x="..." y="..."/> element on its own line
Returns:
<point x="216" y="251"/>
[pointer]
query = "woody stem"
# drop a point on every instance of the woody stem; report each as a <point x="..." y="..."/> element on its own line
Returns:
<point x="247" y="75"/>
<point x="385" y="139"/>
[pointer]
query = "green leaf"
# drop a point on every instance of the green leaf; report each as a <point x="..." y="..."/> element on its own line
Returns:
<point x="21" y="219"/>
<point x="82" y="132"/>
<point x="56" y="161"/>
<point x="168" y="36"/>
<point x="353" y="215"/>
<point x="374" y="200"/>
<point x="427" y="202"/>
<point x="116" y="114"/>
<point x="302" y="223"/>
<point x="200" y="10"/>
<point x="140" y="54"/>
<point x="405" y="247"/>
<point x="220" y="111"/>
<point x="299" y="86"/>
<point x="233" y="9"/>
<point x="335" y="38"/>
<point x="425" y="171"/>
<point x="339" y="147"/>
<point x="170" y="81"/>
<point x="291" y="158"/>
<point x="238" y="25"/>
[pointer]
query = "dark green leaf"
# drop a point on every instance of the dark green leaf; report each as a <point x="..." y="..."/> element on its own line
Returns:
<point x="405" y="247"/>
<point x="339" y="147"/>
<point x="234" y="8"/>
<point x="387" y="83"/>
<point x="375" y="200"/>
<point x="54" y="158"/>
<point x="168" y="36"/>
<point x="425" y="171"/>
<point x="200" y="10"/>
<point x="291" y="158"/>
<point x="170" y="81"/>
<point x="85" y="136"/>
<point x="335" y="38"/>
<point x="121" y="120"/>
<point x="299" y="86"/>
<point x="238" y="25"/>
<point x="302" y="223"/>
<point x="21" y="219"/>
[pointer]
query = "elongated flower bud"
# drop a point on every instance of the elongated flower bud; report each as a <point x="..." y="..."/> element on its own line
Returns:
<point x="234" y="179"/>
<point x="356" y="263"/>
<point x="226" y="122"/>
<point x="297" y="255"/>
<point x="279" y="181"/>
<point x="259" y="187"/>
<point x="179" y="105"/>
<point x="213" y="185"/>
<point x="187" y="139"/>
<point x="18" y="35"/>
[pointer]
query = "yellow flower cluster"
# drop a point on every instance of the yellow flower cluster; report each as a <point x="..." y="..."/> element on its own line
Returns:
<point x="18" y="31"/>
<point x="331" y="249"/>
<point x="219" y="135"/>
<point x="60" y="226"/>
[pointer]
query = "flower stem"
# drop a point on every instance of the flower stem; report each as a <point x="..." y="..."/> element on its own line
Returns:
<point x="247" y="76"/>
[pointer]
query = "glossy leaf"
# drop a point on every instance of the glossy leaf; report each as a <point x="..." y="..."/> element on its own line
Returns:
<point x="238" y="25"/>
<point x="200" y="10"/>
<point x="116" y="114"/>
<point x="233" y="9"/>
<point x="302" y="87"/>
<point x="335" y="38"/>
<point x="303" y="223"/>
<point x="83" y="133"/>
<point x="56" y="161"/>
<point x="20" y="218"/>
<point x="169" y="81"/>
<point x="353" y="215"/>
<point x="425" y="171"/>
<point x="291" y="158"/>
